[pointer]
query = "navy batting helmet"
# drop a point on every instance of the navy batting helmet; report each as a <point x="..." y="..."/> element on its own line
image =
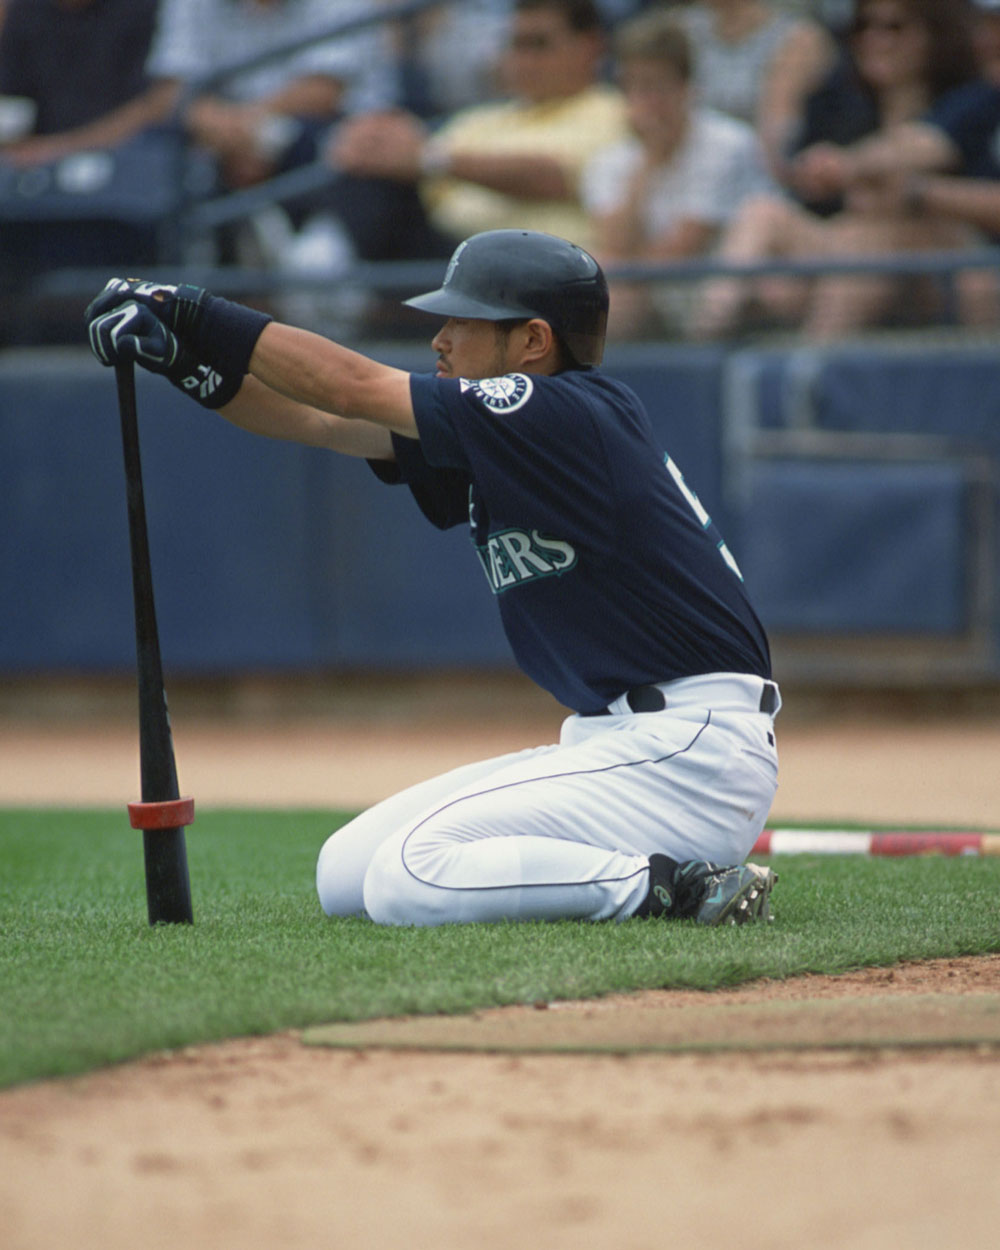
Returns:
<point x="501" y="275"/>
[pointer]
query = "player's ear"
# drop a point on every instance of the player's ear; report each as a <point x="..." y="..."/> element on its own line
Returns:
<point x="539" y="342"/>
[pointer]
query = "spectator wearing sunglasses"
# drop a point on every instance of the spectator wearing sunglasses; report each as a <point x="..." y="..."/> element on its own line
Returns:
<point x="909" y="63"/>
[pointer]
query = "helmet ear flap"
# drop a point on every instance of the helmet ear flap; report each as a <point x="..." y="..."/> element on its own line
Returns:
<point x="586" y="347"/>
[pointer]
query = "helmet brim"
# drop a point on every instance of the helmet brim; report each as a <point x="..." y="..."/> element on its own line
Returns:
<point x="451" y="303"/>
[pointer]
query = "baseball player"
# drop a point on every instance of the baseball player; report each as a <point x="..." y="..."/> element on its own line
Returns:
<point x="616" y="591"/>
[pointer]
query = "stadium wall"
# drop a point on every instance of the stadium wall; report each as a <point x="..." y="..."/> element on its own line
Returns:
<point x="855" y="485"/>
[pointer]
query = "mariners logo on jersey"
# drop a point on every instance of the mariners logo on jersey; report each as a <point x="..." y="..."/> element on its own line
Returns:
<point x="501" y="395"/>
<point x="511" y="557"/>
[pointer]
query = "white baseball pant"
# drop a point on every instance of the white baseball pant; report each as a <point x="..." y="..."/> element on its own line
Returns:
<point x="566" y="830"/>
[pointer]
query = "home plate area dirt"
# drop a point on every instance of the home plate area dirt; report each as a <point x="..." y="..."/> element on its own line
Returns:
<point x="758" y="1137"/>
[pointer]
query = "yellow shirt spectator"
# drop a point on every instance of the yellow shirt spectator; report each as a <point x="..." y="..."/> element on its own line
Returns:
<point x="569" y="130"/>
<point x="512" y="164"/>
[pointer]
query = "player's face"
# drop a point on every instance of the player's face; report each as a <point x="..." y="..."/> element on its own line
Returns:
<point x="473" y="349"/>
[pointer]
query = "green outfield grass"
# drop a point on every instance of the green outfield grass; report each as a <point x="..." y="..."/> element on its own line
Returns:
<point x="85" y="981"/>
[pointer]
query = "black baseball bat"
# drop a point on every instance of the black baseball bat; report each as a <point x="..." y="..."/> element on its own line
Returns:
<point x="168" y="889"/>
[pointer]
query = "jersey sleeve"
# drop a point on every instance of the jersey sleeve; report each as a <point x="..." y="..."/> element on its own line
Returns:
<point x="532" y="442"/>
<point x="442" y="495"/>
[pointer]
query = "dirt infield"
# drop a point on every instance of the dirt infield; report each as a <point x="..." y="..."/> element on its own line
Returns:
<point x="348" y="742"/>
<point x="270" y="1142"/>
<point x="266" y="1142"/>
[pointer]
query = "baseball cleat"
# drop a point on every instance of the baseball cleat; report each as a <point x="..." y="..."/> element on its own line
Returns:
<point x="712" y="894"/>
<point x="762" y="899"/>
<point x="736" y="895"/>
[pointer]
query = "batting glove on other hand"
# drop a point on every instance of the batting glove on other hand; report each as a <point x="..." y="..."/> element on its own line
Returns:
<point x="219" y="332"/>
<point x="132" y="333"/>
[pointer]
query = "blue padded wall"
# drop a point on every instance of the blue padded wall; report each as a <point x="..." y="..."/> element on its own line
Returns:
<point x="944" y="398"/>
<point x="856" y="547"/>
<point x="227" y="538"/>
<point x="390" y="588"/>
<point x="64" y="580"/>
<point x="264" y="554"/>
<point x="953" y="394"/>
<point x="272" y="556"/>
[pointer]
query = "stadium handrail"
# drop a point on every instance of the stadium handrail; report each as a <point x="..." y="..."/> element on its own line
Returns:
<point x="235" y="280"/>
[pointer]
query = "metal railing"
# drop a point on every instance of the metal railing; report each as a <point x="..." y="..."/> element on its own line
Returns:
<point x="415" y="274"/>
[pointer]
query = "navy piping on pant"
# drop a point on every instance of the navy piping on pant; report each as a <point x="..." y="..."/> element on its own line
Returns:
<point x="607" y="768"/>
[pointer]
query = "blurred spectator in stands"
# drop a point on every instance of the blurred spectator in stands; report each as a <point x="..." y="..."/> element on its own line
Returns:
<point x="77" y="68"/>
<point x="410" y="192"/>
<point x="898" y="60"/>
<point x="74" y="100"/>
<point x="270" y="117"/>
<point x="907" y="59"/>
<point x="664" y="193"/>
<point x="756" y="61"/>
<point x="936" y="185"/>
<point x="448" y="56"/>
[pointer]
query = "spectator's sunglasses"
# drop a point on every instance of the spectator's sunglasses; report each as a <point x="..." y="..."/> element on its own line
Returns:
<point x="533" y="43"/>
<point x="884" y="26"/>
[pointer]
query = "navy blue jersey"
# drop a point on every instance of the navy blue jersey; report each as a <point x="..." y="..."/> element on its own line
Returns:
<point x="607" y="571"/>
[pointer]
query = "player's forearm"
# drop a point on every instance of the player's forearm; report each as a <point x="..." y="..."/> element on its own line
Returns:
<point x="303" y="387"/>
<point x="314" y="371"/>
<point x="260" y="410"/>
